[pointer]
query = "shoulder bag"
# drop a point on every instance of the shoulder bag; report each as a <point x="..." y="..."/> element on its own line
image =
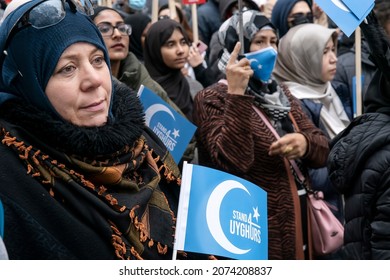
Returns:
<point x="327" y="233"/>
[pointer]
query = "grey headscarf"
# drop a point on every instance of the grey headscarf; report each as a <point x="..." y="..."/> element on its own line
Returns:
<point x="300" y="61"/>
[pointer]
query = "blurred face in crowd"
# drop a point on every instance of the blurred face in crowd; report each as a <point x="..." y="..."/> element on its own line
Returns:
<point x="143" y="35"/>
<point x="299" y="14"/>
<point x="175" y="50"/>
<point x="117" y="43"/>
<point x="84" y="78"/>
<point x="167" y="13"/>
<point x="329" y="60"/>
<point x="263" y="39"/>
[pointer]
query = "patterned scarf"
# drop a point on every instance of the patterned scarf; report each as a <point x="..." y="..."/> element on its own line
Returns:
<point x="270" y="98"/>
<point x="125" y="195"/>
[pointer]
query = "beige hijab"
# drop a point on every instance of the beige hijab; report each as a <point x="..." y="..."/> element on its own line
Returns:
<point x="299" y="67"/>
<point x="300" y="54"/>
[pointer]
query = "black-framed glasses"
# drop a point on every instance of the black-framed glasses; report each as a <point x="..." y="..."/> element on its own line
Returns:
<point x="107" y="29"/>
<point x="47" y="13"/>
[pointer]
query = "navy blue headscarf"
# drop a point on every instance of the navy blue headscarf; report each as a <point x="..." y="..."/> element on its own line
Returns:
<point x="280" y="13"/>
<point x="32" y="54"/>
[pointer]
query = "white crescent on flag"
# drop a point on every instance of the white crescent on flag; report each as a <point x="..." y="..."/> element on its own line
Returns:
<point x="212" y="215"/>
<point x="149" y="113"/>
<point x="341" y="5"/>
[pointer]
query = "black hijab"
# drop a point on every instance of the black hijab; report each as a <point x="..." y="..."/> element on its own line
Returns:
<point x="138" y="23"/>
<point x="172" y="80"/>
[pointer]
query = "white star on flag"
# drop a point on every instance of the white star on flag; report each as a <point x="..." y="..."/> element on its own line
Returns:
<point x="256" y="214"/>
<point x="175" y="133"/>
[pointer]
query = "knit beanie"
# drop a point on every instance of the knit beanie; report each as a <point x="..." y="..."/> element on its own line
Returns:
<point x="32" y="54"/>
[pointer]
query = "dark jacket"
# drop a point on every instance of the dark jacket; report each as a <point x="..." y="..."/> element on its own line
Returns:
<point x="134" y="74"/>
<point x="208" y="20"/>
<point x="359" y="168"/>
<point x="346" y="71"/>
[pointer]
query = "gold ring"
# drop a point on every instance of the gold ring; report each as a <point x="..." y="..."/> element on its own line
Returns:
<point x="287" y="150"/>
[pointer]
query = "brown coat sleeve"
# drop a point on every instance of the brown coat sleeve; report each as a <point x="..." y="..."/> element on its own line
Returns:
<point x="225" y="127"/>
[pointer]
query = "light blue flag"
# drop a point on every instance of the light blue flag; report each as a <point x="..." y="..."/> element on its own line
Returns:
<point x="342" y="15"/>
<point x="221" y="214"/>
<point x="174" y="130"/>
<point x="360" y="7"/>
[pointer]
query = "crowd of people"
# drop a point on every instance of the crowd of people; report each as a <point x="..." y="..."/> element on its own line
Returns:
<point x="83" y="177"/>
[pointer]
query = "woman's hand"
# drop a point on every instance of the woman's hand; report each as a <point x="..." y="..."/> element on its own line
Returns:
<point x="238" y="73"/>
<point x="195" y="58"/>
<point x="291" y="146"/>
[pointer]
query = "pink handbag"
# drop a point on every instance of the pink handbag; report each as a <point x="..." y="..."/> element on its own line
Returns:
<point x="327" y="233"/>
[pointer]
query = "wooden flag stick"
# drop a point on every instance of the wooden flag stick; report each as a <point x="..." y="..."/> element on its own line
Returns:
<point x="358" y="64"/>
<point x="195" y="31"/>
<point x="240" y="26"/>
<point x="172" y="9"/>
<point x="154" y="11"/>
<point x="105" y="3"/>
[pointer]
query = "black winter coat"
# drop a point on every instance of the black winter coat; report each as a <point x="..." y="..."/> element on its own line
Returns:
<point x="359" y="167"/>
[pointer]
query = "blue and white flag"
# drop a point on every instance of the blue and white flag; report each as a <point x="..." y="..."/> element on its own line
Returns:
<point x="221" y="214"/>
<point x="347" y="14"/>
<point x="174" y="130"/>
<point x="359" y="8"/>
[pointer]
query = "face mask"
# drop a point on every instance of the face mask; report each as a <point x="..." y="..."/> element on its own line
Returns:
<point x="137" y="4"/>
<point x="262" y="63"/>
<point x="301" y="18"/>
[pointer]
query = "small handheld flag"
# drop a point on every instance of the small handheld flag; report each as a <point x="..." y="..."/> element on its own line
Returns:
<point x="221" y="214"/>
<point x="174" y="130"/>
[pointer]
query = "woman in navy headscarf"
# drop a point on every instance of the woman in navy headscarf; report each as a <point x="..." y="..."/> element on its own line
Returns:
<point x="81" y="176"/>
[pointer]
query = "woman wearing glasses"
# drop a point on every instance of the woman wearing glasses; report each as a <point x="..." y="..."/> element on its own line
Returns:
<point x="124" y="64"/>
<point x="81" y="177"/>
<point x="289" y="13"/>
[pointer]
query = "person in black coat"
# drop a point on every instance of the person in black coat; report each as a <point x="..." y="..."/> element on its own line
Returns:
<point x="359" y="161"/>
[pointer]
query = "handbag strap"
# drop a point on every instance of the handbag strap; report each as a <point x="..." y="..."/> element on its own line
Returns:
<point x="292" y="162"/>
